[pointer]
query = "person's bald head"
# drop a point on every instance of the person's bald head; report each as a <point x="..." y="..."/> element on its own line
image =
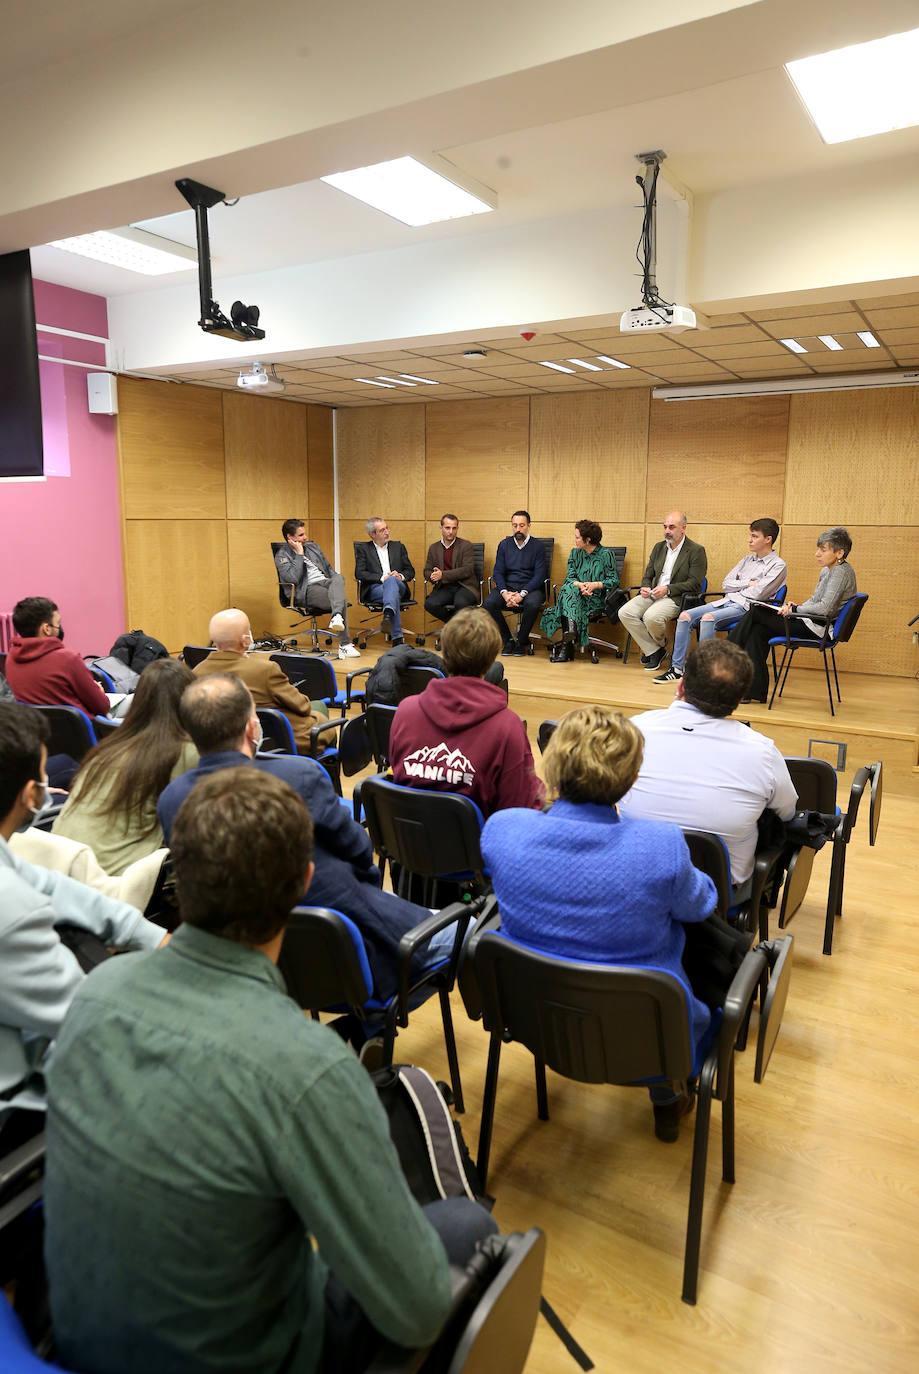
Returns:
<point x="230" y="629"/>
<point x="218" y="713"/>
<point x="674" y="527"/>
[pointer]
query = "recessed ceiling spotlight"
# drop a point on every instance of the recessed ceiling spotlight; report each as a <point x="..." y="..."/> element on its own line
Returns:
<point x="475" y="353"/>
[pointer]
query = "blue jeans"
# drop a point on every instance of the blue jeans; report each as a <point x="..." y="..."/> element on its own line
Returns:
<point x="390" y="595"/>
<point x="720" y="614"/>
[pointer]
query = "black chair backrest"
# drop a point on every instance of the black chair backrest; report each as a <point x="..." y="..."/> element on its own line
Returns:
<point x="853" y="610"/>
<point x="478" y="562"/>
<point x="619" y="551"/>
<point x="877" y="791"/>
<point x="778" y="953"/>
<point x="310" y="674"/>
<point x="429" y="833"/>
<point x="709" y="855"/>
<point x="193" y="654"/>
<point x="71" y="730"/>
<point x="320" y="961"/>
<point x="414" y="681"/>
<point x="354" y="749"/>
<point x="499" y="1330"/>
<point x="548" y="544"/>
<point x="590" y="1022"/>
<point x="277" y="733"/>
<point x="546" y="731"/>
<point x="285" y="589"/>
<point x="815" y="784"/>
<point x="104" y="726"/>
<point x="379" y="724"/>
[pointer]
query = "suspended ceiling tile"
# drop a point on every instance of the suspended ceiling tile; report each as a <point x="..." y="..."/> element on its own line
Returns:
<point x="791" y="312"/>
<point x="809" y="326"/>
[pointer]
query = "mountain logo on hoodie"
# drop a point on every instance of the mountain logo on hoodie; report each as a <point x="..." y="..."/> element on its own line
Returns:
<point x="438" y="763"/>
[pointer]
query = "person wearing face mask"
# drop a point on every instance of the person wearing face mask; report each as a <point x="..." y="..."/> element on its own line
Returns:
<point x="269" y="686"/>
<point x="38" y="667"/>
<point x="39" y="974"/>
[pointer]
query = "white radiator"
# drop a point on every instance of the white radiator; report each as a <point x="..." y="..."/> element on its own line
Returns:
<point x="6" y="631"/>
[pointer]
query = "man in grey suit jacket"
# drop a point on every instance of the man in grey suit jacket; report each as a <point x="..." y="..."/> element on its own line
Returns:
<point x="383" y="570"/>
<point x="676" y="567"/>
<point x="317" y="586"/>
<point x="38" y="973"/>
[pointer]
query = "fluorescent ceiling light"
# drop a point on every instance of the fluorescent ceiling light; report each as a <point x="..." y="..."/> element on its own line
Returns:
<point x="591" y="367"/>
<point x="396" y="381"/>
<point x="613" y="362"/>
<point x="425" y="381"/>
<point x="416" y="192"/>
<point x="848" y="382"/>
<point x="133" y="249"/>
<point x="869" y="88"/>
<point x="793" y="345"/>
<point x="387" y="386"/>
<point x="868" y="338"/>
<point x="830" y="342"/>
<point x="558" y="367"/>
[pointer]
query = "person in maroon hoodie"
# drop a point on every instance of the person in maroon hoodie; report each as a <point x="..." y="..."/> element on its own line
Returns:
<point x="38" y="667"/>
<point x="459" y="734"/>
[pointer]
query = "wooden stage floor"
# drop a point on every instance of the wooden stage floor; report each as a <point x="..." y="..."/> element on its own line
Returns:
<point x="877" y="719"/>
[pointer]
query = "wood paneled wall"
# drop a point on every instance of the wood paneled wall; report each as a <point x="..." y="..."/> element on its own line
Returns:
<point x="809" y="461"/>
<point x="207" y="476"/>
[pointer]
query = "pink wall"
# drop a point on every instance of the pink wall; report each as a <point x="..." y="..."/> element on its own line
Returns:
<point x="61" y="538"/>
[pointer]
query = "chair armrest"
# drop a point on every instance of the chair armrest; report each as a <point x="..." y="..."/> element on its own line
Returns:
<point x="399" y="1359"/>
<point x="737" y="1003"/>
<point x="349" y="678"/>
<point x="332" y="723"/>
<point x="458" y="914"/>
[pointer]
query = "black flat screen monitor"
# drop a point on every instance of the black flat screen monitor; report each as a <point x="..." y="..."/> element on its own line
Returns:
<point x="20" y="394"/>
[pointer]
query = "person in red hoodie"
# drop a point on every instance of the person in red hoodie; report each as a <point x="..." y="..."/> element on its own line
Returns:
<point x="38" y="667"/>
<point x="459" y="734"/>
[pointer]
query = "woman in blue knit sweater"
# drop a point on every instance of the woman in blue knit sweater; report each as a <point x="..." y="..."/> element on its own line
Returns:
<point x="584" y="883"/>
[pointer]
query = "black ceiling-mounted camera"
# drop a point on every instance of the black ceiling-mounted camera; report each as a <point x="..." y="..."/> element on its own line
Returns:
<point x="244" y="318"/>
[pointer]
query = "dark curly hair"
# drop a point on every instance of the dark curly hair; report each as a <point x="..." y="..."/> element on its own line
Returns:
<point x="589" y="531"/>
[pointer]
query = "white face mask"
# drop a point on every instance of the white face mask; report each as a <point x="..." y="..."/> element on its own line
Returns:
<point x="38" y="811"/>
<point x="257" y="743"/>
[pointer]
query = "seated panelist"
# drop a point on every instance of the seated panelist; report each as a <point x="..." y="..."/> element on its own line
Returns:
<point x="677" y="566"/>
<point x="519" y="576"/>
<point x="317" y="585"/>
<point x="450" y="568"/>
<point x="591" y="574"/>
<point x="383" y="570"/>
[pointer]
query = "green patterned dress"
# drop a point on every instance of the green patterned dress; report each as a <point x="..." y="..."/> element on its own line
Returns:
<point x="599" y="566"/>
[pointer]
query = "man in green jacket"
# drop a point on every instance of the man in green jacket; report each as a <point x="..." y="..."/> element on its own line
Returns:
<point x="203" y="1132"/>
<point x="676" y="567"/>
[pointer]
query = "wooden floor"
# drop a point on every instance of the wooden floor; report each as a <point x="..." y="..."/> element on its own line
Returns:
<point x="810" y="1262"/>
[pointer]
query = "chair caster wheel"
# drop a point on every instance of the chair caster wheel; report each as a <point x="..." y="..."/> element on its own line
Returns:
<point x="531" y="649"/>
<point x="594" y="656"/>
<point x="419" y="640"/>
<point x="617" y="652"/>
<point x="328" y="639"/>
<point x="362" y="644"/>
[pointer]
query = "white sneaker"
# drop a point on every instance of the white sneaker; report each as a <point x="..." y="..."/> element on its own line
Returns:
<point x="348" y="651"/>
<point x="336" y="623"/>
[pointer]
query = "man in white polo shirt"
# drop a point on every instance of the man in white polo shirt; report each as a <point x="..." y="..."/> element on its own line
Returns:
<point x="701" y="769"/>
<point x="676" y="566"/>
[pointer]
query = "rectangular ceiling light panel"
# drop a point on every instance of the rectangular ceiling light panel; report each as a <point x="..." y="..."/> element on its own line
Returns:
<point x="868" y="88"/>
<point x="414" y="193"/>
<point x="133" y="249"/>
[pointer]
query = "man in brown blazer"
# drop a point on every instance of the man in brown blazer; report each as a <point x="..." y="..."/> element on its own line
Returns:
<point x="450" y="568"/>
<point x="269" y="686"/>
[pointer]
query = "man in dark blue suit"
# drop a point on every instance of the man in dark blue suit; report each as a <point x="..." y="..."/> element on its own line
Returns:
<point x="519" y="577"/>
<point x="219" y="715"/>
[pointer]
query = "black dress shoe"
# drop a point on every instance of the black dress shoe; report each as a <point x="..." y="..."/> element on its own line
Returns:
<point x="518" y="651"/>
<point x="509" y="648"/>
<point x="652" y="661"/>
<point x="388" y="615"/>
<point x="745" y="700"/>
<point x="667" y="1118"/>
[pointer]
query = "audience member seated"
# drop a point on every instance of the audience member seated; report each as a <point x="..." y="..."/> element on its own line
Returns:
<point x="450" y="568"/>
<point x="267" y="682"/>
<point x="582" y="882"/>
<point x="317" y="586"/>
<point x="383" y="570"/>
<point x="38" y="667"/>
<point x="203" y="1134"/>
<point x="219" y="715"/>
<point x="459" y="735"/>
<point x="38" y="973"/>
<point x="519" y="576"/>
<point x="112" y="803"/>
<point x="591" y="574"/>
<point x="707" y="772"/>
<point x="808" y="619"/>
<point x="677" y="566"/>
<point x="757" y="577"/>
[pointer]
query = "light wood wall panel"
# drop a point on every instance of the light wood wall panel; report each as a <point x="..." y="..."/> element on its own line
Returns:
<point x="319" y="421"/>
<point x="588" y="456"/>
<point x="381" y="463"/>
<point x="854" y="457"/>
<point x="476" y="457"/>
<point x="707" y="457"/>
<point x="408" y="532"/>
<point x="177" y="576"/>
<point x="266" y="457"/>
<point x="886" y="568"/>
<point x="170" y="442"/>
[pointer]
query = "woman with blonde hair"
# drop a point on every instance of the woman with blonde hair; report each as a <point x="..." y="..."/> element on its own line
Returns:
<point x="583" y="883"/>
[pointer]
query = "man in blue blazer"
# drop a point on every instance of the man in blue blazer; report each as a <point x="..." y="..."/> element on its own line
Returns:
<point x="519" y="577"/>
<point x="219" y="715"/>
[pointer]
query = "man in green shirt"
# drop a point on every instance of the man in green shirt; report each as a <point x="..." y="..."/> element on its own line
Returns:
<point x="203" y="1132"/>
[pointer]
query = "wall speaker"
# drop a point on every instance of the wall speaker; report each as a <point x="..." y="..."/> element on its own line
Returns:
<point x="102" y="390"/>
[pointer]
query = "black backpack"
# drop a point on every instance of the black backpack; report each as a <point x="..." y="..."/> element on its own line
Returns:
<point x="429" y="1143"/>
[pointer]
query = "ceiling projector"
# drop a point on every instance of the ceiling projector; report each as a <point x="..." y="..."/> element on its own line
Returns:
<point x="260" y="379"/>
<point x="643" y="320"/>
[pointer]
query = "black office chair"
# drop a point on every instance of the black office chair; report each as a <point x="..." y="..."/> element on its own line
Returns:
<point x="308" y="618"/>
<point x="103" y="726"/>
<point x="627" y="1026"/>
<point x="478" y="561"/>
<point x="489" y="1329"/>
<point x="193" y="654"/>
<point x="325" y="968"/>
<point x="418" y="677"/>
<point x="71" y="730"/>
<point x="840" y="632"/>
<point x="433" y="836"/>
<point x="709" y="854"/>
<point x="376" y="612"/>
<point x="315" y="677"/>
<point x="815" y="783"/>
<point x="547" y="729"/>
<point x="548" y="544"/>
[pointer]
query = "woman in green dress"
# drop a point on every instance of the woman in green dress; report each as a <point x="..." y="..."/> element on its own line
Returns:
<point x="591" y="574"/>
